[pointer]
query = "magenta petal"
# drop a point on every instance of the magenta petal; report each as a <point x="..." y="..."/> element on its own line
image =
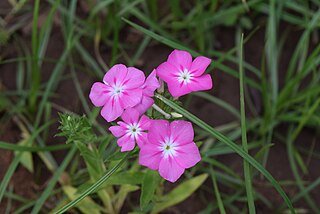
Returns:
<point x="111" y="110"/>
<point x="142" y="139"/>
<point x="199" y="65"/>
<point x="116" y="75"/>
<point x="130" y="116"/>
<point x="159" y="130"/>
<point x="170" y="170"/>
<point x="131" y="97"/>
<point x="151" y="84"/>
<point x="134" y="79"/>
<point x="181" y="132"/>
<point x="177" y="89"/>
<point x="117" y="131"/>
<point x="188" y="155"/>
<point x="144" y="105"/>
<point x="99" y="94"/>
<point x="150" y="156"/>
<point x="145" y="122"/>
<point x="201" y="83"/>
<point x="126" y="142"/>
<point x="167" y="72"/>
<point x="180" y="59"/>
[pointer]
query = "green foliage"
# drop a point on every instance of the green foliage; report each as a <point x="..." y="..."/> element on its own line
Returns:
<point x="93" y="35"/>
<point x="76" y="129"/>
<point x="180" y="193"/>
<point x="150" y="183"/>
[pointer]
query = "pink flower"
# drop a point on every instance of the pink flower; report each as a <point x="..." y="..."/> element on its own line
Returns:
<point x="131" y="130"/>
<point x="184" y="75"/>
<point x="121" y="89"/>
<point x="148" y="88"/>
<point x="170" y="148"/>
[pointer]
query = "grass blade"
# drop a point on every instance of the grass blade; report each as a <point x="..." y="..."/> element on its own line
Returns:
<point x="246" y="166"/>
<point x="93" y="187"/>
<point x="217" y="193"/>
<point x="15" y="147"/>
<point x="46" y="193"/>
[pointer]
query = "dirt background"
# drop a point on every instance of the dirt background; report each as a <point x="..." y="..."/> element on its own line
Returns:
<point x="225" y="87"/>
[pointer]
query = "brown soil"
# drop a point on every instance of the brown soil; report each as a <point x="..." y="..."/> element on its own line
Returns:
<point x="225" y="87"/>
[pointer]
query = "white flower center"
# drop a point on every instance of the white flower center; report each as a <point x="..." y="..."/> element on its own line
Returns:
<point x="185" y="76"/>
<point x="134" y="130"/>
<point x="168" y="148"/>
<point x="117" y="90"/>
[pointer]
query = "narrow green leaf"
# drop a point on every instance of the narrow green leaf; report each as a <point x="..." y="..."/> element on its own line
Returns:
<point x="217" y="193"/>
<point x="26" y="158"/>
<point x="161" y="39"/>
<point x="53" y="181"/>
<point x="87" y="206"/>
<point x="180" y="193"/>
<point x="94" y="186"/>
<point x="246" y="166"/>
<point x="149" y="185"/>
<point x="23" y="148"/>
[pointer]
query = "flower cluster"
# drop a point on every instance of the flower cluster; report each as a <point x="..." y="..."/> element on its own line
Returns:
<point x="127" y="93"/>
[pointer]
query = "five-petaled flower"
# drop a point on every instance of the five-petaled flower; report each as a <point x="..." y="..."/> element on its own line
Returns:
<point x="121" y="89"/>
<point x="131" y="130"/>
<point x="170" y="148"/>
<point x="183" y="75"/>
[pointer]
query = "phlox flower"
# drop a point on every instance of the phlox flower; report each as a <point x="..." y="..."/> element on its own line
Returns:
<point x="148" y="88"/>
<point x="121" y="89"/>
<point x="131" y="130"/>
<point x="183" y="75"/>
<point x="170" y="148"/>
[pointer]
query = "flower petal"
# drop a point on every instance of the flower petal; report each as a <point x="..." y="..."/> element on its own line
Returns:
<point x="199" y="65"/>
<point x="134" y="79"/>
<point x="177" y="89"/>
<point x="144" y="105"/>
<point x="181" y="132"/>
<point x="167" y="72"/>
<point x="99" y="94"/>
<point x="180" y="59"/>
<point x="131" y="97"/>
<point x="117" y="131"/>
<point x="201" y="83"/>
<point x="142" y="139"/>
<point x="170" y="170"/>
<point x="130" y="116"/>
<point x="126" y="143"/>
<point x="112" y="109"/>
<point x="151" y="84"/>
<point x="188" y="155"/>
<point x="145" y="122"/>
<point x="150" y="156"/>
<point x="116" y="75"/>
<point x="159" y="130"/>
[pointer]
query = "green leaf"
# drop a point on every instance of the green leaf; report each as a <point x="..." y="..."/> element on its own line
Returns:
<point x="180" y="193"/>
<point x="149" y="185"/>
<point x="122" y="194"/>
<point x="95" y="186"/>
<point x="246" y="166"/>
<point x="162" y="39"/>
<point x="53" y="181"/>
<point x="120" y="178"/>
<point x="26" y="157"/>
<point x="87" y="206"/>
